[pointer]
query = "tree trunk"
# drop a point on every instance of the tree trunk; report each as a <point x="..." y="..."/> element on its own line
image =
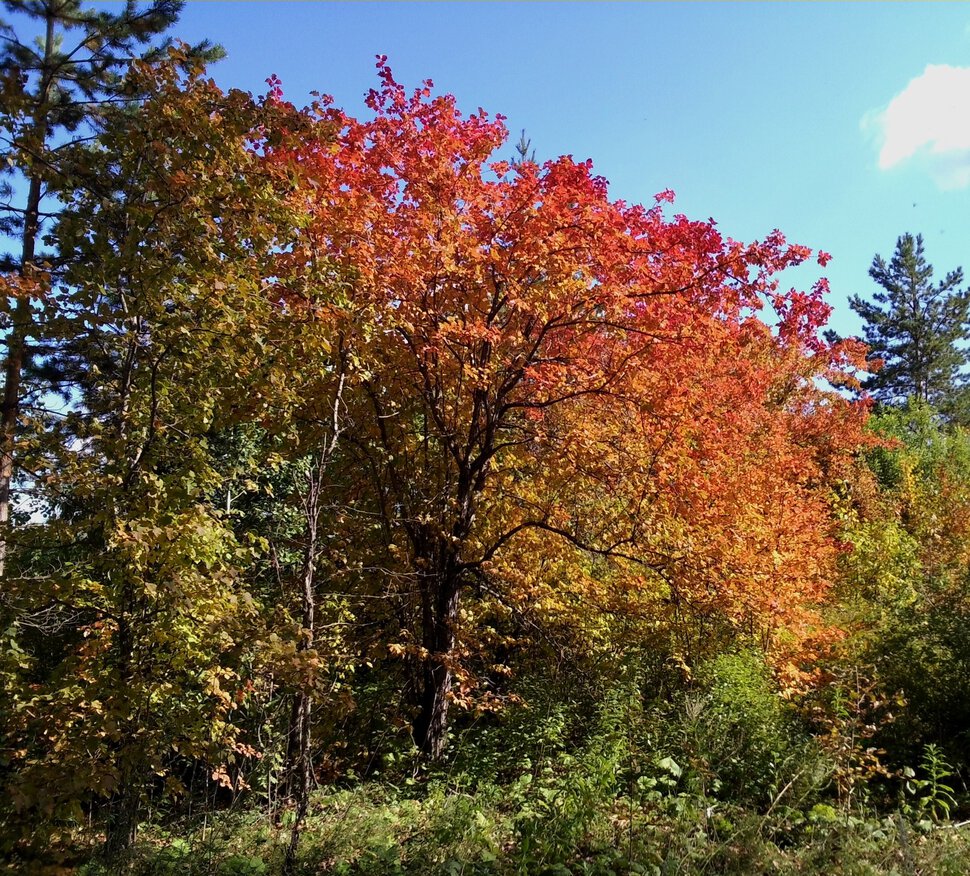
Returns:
<point x="440" y="617"/>
<point x="122" y="821"/>
<point x="299" y="768"/>
<point x="17" y="354"/>
<point x="299" y="773"/>
<point x="23" y="317"/>
<point x="16" y="349"/>
<point x="122" y="824"/>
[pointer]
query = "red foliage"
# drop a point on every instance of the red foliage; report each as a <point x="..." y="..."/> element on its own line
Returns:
<point x="585" y="369"/>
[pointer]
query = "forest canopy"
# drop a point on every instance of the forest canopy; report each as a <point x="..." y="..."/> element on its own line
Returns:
<point x="343" y="453"/>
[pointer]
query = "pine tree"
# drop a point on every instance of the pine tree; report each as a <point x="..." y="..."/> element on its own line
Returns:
<point x="53" y="89"/>
<point x="916" y="328"/>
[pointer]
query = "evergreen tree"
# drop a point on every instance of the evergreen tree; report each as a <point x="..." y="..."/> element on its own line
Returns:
<point x="916" y="328"/>
<point x="53" y="90"/>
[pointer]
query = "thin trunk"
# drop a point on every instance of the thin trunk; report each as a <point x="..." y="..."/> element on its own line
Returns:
<point x="23" y="317"/>
<point x="122" y="821"/>
<point x="16" y="353"/>
<point x="17" y="356"/>
<point x="298" y="739"/>
<point x="300" y="778"/>
<point x="299" y="767"/>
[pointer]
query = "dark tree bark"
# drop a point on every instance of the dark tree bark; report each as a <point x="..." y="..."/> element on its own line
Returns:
<point x="299" y="766"/>
<point x="440" y="609"/>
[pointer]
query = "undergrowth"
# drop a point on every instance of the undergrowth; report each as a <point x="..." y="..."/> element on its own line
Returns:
<point x="722" y="779"/>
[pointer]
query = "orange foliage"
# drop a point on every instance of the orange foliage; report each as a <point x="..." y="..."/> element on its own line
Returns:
<point x="569" y="398"/>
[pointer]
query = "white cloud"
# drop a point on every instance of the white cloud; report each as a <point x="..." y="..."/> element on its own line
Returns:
<point x="929" y="121"/>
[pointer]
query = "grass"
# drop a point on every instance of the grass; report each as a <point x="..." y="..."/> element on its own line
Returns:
<point x="377" y="829"/>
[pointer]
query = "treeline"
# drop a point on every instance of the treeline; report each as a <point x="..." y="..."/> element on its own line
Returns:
<point x="340" y="457"/>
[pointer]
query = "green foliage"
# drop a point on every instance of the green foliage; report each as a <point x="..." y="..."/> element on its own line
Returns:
<point x="741" y="739"/>
<point x="378" y="830"/>
<point x="907" y="581"/>
<point x="59" y="87"/>
<point x="616" y="792"/>
<point x="915" y="327"/>
<point x="566" y="797"/>
<point x="931" y="796"/>
<point x="238" y="585"/>
<point x="127" y="596"/>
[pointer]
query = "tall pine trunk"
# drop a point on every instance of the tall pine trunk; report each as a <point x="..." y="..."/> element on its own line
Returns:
<point x="23" y="317"/>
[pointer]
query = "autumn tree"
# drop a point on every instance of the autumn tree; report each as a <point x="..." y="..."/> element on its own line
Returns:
<point x="507" y="318"/>
<point x="916" y="328"/>
<point x="129" y="592"/>
<point x="54" y="93"/>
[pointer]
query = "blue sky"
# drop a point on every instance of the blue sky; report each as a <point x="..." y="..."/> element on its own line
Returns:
<point x="844" y="125"/>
